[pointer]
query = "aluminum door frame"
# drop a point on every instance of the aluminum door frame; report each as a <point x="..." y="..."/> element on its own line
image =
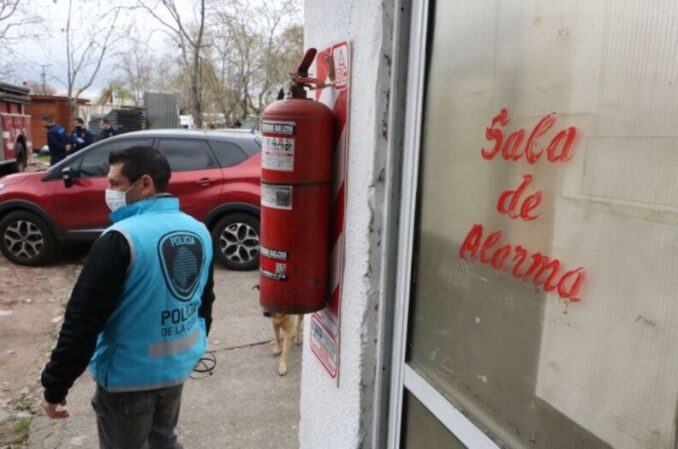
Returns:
<point x="402" y="375"/>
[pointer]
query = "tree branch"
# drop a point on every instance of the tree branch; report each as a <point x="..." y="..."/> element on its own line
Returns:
<point x="12" y="9"/>
<point x="102" y="54"/>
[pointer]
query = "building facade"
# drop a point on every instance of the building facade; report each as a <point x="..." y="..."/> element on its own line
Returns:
<point x="511" y="227"/>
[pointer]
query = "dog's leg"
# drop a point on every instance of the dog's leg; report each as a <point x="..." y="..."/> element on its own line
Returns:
<point x="297" y="337"/>
<point x="276" y="333"/>
<point x="288" y="328"/>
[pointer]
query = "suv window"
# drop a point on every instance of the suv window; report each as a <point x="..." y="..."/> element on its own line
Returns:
<point x="228" y="154"/>
<point x="186" y="155"/>
<point x="95" y="162"/>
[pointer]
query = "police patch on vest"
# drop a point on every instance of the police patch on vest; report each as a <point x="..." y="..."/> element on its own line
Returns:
<point x="181" y="257"/>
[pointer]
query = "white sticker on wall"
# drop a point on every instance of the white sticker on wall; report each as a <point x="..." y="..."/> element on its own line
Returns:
<point x="277" y="153"/>
<point x="276" y="196"/>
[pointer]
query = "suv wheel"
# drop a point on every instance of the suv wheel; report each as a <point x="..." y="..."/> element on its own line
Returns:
<point x="25" y="239"/>
<point x="236" y="241"/>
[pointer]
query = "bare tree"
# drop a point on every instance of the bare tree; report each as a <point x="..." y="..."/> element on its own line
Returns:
<point x="261" y="44"/>
<point x="137" y="67"/>
<point x="14" y="19"/>
<point x="86" y="47"/>
<point x="221" y="92"/>
<point x="236" y="46"/>
<point x="8" y="8"/>
<point x="189" y="38"/>
<point x="271" y="65"/>
<point x="15" y="24"/>
<point x="244" y="54"/>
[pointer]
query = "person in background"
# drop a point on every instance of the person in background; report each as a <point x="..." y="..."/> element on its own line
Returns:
<point x="140" y="312"/>
<point x="80" y="136"/>
<point x="57" y="140"/>
<point x="106" y="129"/>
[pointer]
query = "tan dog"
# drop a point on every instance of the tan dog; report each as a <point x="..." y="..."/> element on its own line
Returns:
<point x="291" y="326"/>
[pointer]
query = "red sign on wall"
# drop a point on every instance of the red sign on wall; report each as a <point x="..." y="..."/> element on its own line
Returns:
<point x="324" y="338"/>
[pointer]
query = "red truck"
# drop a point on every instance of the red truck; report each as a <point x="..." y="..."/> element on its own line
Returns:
<point x="15" y="128"/>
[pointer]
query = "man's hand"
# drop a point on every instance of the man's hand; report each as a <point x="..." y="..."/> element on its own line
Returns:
<point x="52" y="411"/>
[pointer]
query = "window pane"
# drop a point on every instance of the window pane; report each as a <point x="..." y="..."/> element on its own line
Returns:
<point x="186" y="155"/>
<point x="228" y="154"/>
<point x="422" y="430"/>
<point x="545" y="264"/>
<point x="95" y="161"/>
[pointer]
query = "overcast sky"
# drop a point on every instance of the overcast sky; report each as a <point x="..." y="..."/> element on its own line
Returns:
<point x="31" y="54"/>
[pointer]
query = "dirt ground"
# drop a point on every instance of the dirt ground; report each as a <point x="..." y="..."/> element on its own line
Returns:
<point x="32" y="304"/>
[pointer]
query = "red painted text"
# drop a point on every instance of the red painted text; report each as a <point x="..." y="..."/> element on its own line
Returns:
<point x="558" y="150"/>
<point x="508" y="201"/>
<point x="543" y="271"/>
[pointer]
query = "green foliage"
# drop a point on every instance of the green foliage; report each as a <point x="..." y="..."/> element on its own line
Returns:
<point x="22" y="428"/>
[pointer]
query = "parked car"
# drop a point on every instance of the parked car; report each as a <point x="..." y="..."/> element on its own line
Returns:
<point x="215" y="175"/>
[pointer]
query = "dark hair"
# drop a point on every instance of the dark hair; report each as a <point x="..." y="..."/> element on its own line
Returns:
<point x="80" y="121"/>
<point x="106" y="121"/>
<point x="143" y="160"/>
<point x="48" y="117"/>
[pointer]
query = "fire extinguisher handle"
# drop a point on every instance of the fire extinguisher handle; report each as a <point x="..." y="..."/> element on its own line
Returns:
<point x="305" y="64"/>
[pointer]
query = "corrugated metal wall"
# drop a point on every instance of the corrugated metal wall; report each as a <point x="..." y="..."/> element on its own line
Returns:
<point x="161" y="110"/>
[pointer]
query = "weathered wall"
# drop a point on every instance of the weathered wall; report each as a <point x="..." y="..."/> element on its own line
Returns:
<point x="339" y="416"/>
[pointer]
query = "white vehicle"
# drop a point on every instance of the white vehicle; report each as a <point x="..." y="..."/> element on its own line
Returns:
<point x="186" y="121"/>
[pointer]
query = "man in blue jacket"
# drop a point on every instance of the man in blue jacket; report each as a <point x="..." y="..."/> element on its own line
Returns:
<point x="106" y="129"/>
<point x="80" y="136"/>
<point x="140" y="311"/>
<point x="57" y="140"/>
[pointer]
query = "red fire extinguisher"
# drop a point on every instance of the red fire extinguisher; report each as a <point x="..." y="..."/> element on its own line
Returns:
<point x="296" y="182"/>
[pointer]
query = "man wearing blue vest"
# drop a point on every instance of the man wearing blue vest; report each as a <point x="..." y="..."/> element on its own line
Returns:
<point x="140" y="311"/>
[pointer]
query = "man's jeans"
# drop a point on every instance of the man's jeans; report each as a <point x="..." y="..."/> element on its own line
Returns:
<point x="138" y="420"/>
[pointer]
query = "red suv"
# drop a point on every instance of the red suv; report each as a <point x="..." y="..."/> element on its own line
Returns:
<point x="215" y="175"/>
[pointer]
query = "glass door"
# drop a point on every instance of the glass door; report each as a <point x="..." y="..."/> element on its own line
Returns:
<point x="539" y="227"/>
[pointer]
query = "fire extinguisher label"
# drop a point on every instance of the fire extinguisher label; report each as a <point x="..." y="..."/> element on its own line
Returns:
<point x="276" y="196"/>
<point x="277" y="153"/>
<point x="273" y="270"/>
<point x="283" y="128"/>
<point x="274" y="276"/>
<point x="274" y="253"/>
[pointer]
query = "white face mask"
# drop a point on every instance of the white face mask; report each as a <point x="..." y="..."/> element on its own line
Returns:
<point x="115" y="199"/>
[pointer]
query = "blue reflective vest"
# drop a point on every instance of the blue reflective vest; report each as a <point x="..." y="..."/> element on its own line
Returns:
<point x="154" y="337"/>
